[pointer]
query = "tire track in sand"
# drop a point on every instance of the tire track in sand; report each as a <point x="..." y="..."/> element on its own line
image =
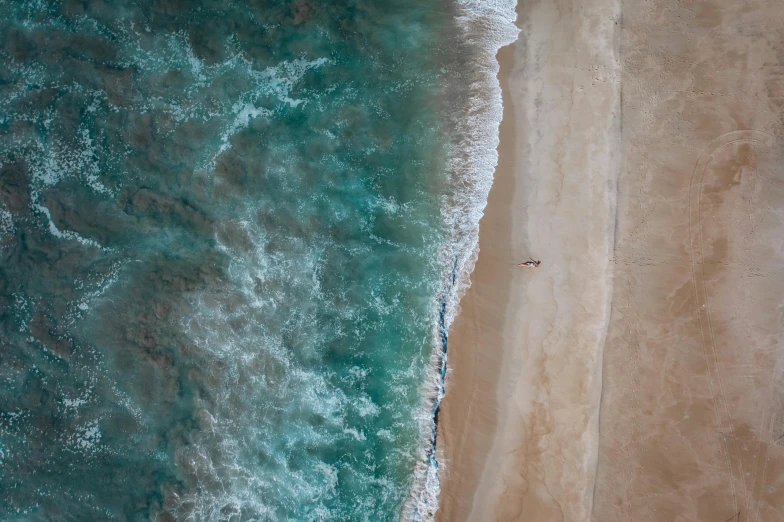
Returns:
<point x="703" y="309"/>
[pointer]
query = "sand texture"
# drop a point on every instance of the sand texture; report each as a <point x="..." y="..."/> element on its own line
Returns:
<point x="693" y="405"/>
<point x="637" y="375"/>
<point x="518" y="427"/>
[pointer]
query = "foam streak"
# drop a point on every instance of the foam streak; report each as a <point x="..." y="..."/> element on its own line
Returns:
<point x="485" y="27"/>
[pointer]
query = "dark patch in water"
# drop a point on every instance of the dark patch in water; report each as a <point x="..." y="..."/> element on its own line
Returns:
<point x="218" y="226"/>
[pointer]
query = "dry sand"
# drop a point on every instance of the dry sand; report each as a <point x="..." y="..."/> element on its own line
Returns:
<point x="638" y="374"/>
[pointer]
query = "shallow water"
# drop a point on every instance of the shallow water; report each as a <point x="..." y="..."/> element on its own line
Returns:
<point x="222" y="233"/>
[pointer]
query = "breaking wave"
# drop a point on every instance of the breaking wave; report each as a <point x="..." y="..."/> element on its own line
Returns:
<point x="483" y="27"/>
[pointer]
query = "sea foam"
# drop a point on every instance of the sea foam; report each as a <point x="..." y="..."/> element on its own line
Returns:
<point x="253" y="336"/>
<point x="484" y="26"/>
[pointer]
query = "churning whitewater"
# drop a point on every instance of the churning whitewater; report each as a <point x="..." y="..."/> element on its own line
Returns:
<point x="233" y="236"/>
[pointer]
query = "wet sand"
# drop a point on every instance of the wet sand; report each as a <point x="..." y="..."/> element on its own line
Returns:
<point x="638" y="373"/>
<point x="517" y="432"/>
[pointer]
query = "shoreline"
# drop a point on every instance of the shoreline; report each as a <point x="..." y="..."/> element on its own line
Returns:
<point x="459" y="372"/>
<point x="481" y="29"/>
<point x="519" y="423"/>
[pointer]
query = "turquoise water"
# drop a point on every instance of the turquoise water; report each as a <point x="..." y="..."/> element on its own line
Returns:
<point x="224" y="234"/>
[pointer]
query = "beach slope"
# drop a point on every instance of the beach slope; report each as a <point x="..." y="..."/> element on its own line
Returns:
<point x="518" y="429"/>
<point x="637" y="373"/>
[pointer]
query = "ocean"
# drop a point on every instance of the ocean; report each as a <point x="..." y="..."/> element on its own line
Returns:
<point x="233" y="235"/>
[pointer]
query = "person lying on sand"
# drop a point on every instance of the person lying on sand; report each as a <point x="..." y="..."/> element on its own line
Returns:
<point x="530" y="263"/>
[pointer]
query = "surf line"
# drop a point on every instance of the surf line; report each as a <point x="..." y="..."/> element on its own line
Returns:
<point x="424" y="502"/>
<point x="444" y="334"/>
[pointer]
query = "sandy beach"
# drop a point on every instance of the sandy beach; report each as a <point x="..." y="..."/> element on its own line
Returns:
<point x="519" y="424"/>
<point x="637" y="373"/>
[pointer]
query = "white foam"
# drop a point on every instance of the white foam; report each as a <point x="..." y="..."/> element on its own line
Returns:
<point x="244" y="113"/>
<point x="98" y="287"/>
<point x="64" y="234"/>
<point x="74" y="403"/>
<point x="86" y="438"/>
<point x="6" y="224"/>
<point x="193" y="60"/>
<point x="278" y="81"/>
<point x="366" y="407"/>
<point x="485" y="26"/>
<point x="357" y="435"/>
